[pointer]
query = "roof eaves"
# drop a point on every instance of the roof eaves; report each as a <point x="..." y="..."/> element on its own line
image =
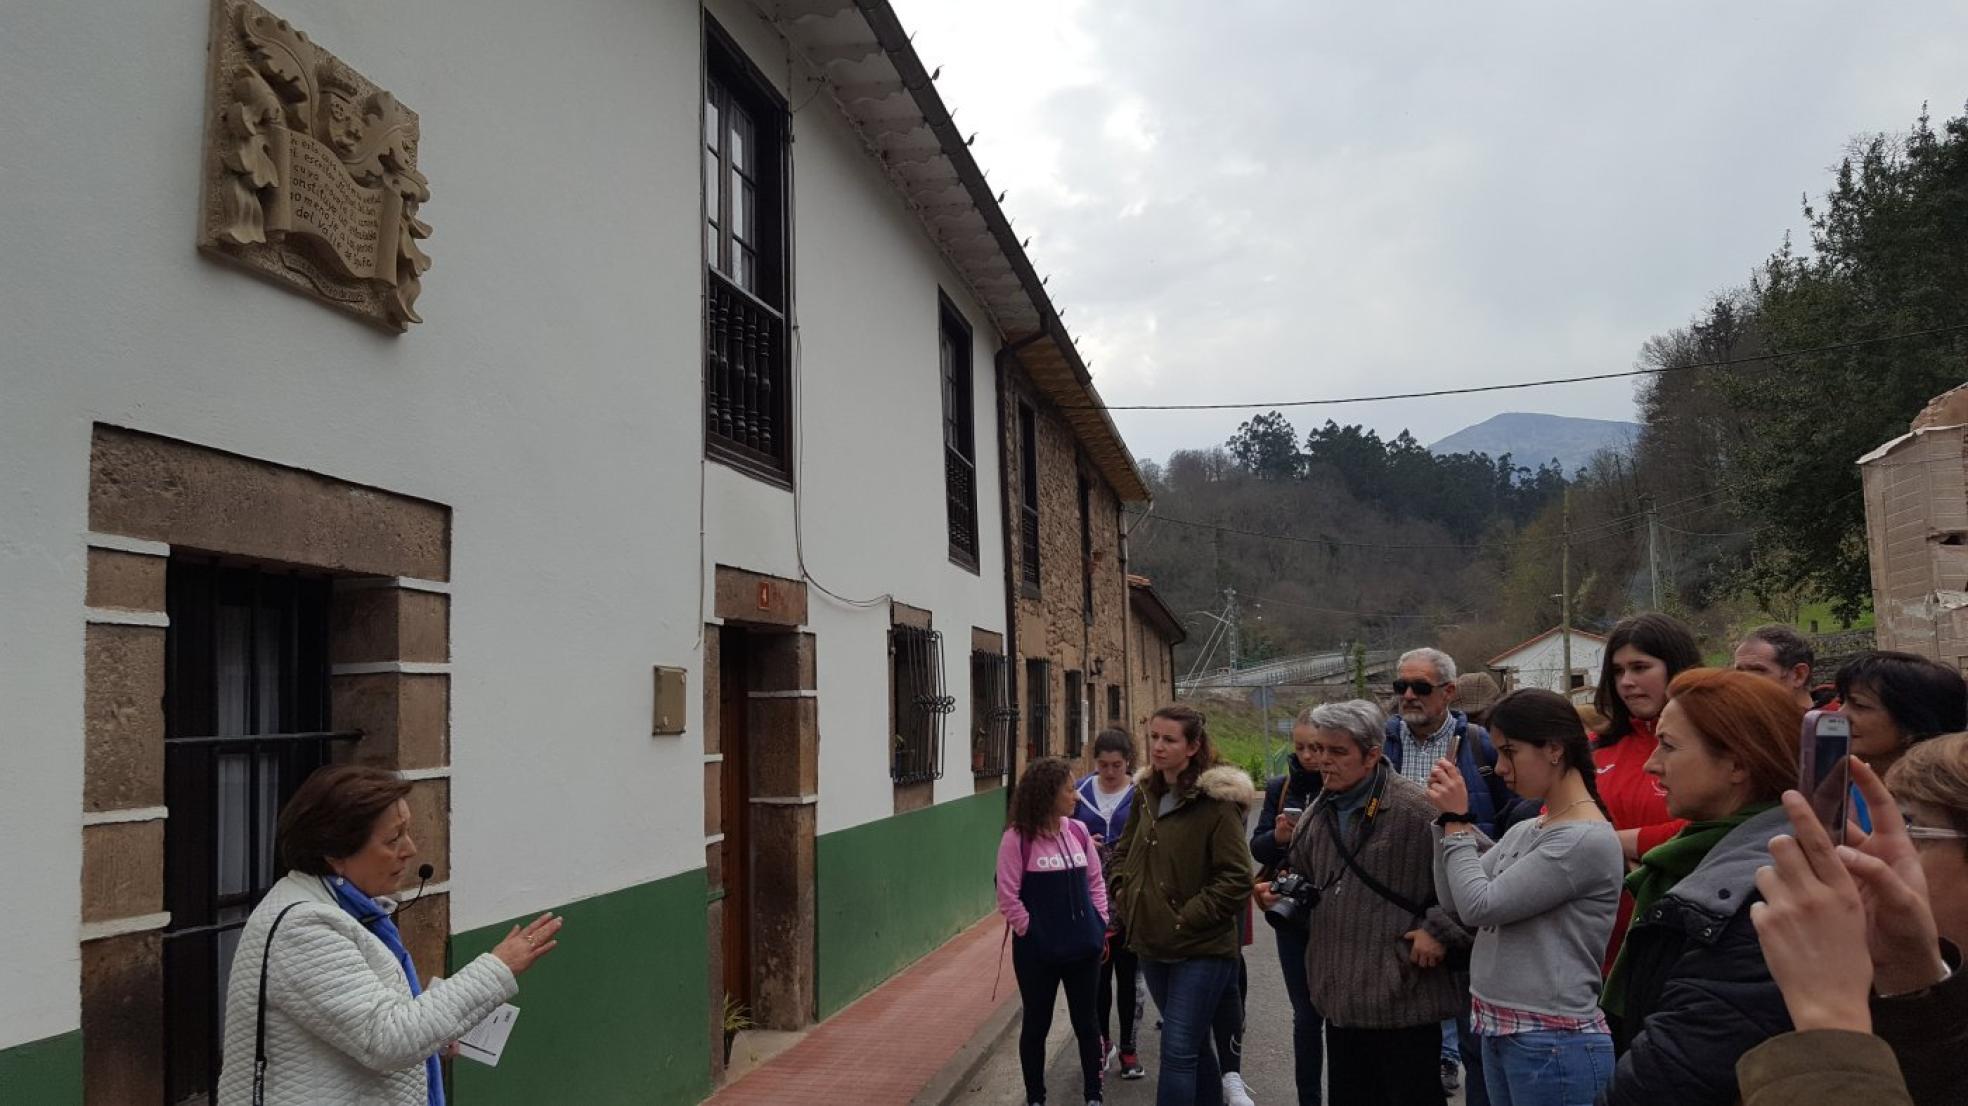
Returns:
<point x="1116" y="461"/>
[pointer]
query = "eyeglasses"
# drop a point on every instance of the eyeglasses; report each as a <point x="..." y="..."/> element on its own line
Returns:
<point x="1935" y="833"/>
<point x="1421" y="688"/>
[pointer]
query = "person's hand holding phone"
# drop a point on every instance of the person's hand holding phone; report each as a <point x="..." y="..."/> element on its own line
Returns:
<point x="1285" y="825"/>
<point x="1809" y="923"/>
<point x="1900" y="931"/>
<point x="1446" y="787"/>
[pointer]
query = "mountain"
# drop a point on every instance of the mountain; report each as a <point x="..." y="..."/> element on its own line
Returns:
<point x="1532" y="439"/>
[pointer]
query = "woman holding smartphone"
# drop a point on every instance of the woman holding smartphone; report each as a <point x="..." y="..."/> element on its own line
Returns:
<point x="1542" y="900"/>
<point x="1286" y="798"/>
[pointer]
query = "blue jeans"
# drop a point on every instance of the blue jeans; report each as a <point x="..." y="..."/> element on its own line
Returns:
<point x="1547" y="1068"/>
<point x="1188" y="993"/>
<point x="1308" y="1028"/>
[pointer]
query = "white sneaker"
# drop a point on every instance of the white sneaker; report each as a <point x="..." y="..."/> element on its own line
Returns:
<point x="1234" y="1091"/>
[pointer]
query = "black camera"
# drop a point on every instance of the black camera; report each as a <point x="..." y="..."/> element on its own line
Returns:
<point x="1297" y="896"/>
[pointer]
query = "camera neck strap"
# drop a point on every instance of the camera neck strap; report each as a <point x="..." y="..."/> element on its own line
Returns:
<point x="1372" y="884"/>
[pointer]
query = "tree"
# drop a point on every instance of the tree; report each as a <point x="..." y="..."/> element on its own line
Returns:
<point x="1267" y="447"/>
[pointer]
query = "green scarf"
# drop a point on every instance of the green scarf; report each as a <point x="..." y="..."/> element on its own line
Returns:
<point x="1665" y="865"/>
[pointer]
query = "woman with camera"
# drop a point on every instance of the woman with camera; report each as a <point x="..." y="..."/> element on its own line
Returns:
<point x="1052" y="896"/>
<point x="1691" y="993"/>
<point x="1542" y="899"/>
<point x="321" y="980"/>
<point x="1377" y="944"/>
<point x="1182" y="872"/>
<point x="1286" y="799"/>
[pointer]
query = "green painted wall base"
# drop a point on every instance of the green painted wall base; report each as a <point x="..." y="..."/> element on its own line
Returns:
<point x="890" y="891"/>
<point x="618" y="1013"/>
<point x="46" y="1072"/>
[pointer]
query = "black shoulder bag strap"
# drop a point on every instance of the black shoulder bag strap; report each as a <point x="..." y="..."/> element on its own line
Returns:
<point x="1371" y="883"/>
<point x="259" y="1030"/>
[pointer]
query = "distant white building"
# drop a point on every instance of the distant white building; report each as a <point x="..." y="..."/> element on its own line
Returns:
<point x="1540" y="662"/>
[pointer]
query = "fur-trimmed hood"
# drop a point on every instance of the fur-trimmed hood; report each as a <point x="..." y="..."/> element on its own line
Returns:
<point x="1226" y="782"/>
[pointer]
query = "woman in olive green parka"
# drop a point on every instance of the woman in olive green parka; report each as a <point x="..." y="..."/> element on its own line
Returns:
<point x="1181" y="874"/>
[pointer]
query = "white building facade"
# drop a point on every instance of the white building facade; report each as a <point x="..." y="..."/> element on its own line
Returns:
<point x="1540" y="662"/>
<point x="710" y="379"/>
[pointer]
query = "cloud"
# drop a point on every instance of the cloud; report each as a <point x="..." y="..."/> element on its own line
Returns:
<point x="1262" y="199"/>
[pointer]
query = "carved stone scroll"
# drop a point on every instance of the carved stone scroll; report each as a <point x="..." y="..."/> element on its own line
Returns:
<point x="311" y="176"/>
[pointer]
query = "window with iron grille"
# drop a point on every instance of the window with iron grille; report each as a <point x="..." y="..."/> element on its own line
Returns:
<point x="1038" y="708"/>
<point x="1114" y="703"/>
<point x="1075" y="714"/>
<point x="246" y="719"/>
<point x="959" y="435"/>
<point x="1086" y="548"/>
<point x="747" y="375"/>
<point x="1028" y="494"/>
<point x="993" y="720"/>
<point x="915" y="658"/>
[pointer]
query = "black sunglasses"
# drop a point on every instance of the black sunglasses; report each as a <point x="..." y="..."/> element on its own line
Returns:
<point x="1420" y="687"/>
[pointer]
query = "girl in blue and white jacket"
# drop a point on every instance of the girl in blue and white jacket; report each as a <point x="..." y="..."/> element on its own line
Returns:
<point x="1106" y="800"/>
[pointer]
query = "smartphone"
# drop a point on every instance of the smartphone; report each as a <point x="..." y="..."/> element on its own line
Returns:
<point x="1292" y="811"/>
<point x="1823" y="773"/>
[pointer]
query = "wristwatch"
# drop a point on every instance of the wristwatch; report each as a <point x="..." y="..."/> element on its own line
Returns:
<point x="1445" y="818"/>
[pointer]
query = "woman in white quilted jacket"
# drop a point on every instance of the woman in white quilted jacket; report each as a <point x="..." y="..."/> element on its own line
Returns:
<point x="344" y="1017"/>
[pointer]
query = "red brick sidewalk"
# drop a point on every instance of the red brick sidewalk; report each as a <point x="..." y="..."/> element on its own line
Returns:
<point x="889" y="1045"/>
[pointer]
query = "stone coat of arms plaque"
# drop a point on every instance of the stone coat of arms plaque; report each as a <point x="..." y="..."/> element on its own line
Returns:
<point x="311" y="174"/>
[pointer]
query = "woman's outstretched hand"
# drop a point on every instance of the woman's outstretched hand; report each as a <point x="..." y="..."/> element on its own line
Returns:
<point x="525" y="945"/>
<point x="1810" y="923"/>
<point x="1900" y="929"/>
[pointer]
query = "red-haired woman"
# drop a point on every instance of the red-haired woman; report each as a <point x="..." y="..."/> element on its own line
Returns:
<point x="1691" y="990"/>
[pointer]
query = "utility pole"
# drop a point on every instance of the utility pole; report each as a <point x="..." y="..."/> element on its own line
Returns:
<point x="1565" y="595"/>
<point x="1230" y="621"/>
<point x="1653" y="552"/>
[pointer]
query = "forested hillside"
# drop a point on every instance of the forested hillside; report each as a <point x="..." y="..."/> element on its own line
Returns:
<point x="1752" y="416"/>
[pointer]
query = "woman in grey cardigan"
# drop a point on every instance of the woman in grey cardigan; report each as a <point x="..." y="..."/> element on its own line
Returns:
<point x="1377" y="945"/>
<point x="1543" y="900"/>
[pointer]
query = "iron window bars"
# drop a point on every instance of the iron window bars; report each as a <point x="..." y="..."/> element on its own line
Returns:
<point x="994" y="721"/>
<point x="921" y="704"/>
<point x="1075" y="714"/>
<point x="246" y="719"/>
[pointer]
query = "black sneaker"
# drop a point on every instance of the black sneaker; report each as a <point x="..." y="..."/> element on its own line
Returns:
<point x="1131" y="1065"/>
<point x="1451" y="1076"/>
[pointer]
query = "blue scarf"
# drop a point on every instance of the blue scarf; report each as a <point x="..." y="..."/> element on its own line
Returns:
<point x="366" y="910"/>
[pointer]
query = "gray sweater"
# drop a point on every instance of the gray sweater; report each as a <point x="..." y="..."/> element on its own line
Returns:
<point x="1542" y="901"/>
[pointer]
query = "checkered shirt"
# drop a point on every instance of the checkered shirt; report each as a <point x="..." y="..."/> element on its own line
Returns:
<point x="1418" y="757"/>
<point x="1487" y="1019"/>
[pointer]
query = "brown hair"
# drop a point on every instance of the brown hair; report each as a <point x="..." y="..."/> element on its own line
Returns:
<point x="1748" y="718"/>
<point x="1662" y="637"/>
<point x="1935" y="773"/>
<point x="1194" y="731"/>
<point x="1033" y="803"/>
<point x="333" y="813"/>
<point x="1534" y="716"/>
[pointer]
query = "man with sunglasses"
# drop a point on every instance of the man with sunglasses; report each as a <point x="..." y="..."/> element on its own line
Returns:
<point x="1423" y="730"/>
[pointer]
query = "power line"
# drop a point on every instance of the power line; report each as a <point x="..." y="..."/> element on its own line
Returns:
<point x="1728" y="362"/>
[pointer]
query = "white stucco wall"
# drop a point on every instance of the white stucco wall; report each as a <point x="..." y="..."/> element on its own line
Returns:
<point x="1542" y="663"/>
<point x="551" y="399"/>
<point x="873" y="515"/>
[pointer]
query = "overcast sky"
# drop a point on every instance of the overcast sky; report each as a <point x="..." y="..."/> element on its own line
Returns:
<point x="1258" y="200"/>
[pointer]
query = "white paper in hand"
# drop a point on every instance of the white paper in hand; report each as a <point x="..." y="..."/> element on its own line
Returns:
<point x="487" y="1039"/>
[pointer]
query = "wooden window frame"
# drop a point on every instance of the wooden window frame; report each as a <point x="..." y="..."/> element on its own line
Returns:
<point x="748" y="369"/>
<point x="1076" y="705"/>
<point x="1028" y="500"/>
<point x="954" y="372"/>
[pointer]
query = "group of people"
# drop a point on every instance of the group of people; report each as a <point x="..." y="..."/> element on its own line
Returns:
<point x="1624" y="903"/>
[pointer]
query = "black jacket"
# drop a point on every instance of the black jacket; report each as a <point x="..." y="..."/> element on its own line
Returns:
<point x="1929" y="1033"/>
<point x="1699" y="994"/>
<point x="1303" y="787"/>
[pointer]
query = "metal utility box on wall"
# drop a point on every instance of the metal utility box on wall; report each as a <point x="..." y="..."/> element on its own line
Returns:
<point x="669" y="714"/>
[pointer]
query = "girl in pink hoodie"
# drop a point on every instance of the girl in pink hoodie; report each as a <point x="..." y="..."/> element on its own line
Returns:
<point x="1055" y="902"/>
